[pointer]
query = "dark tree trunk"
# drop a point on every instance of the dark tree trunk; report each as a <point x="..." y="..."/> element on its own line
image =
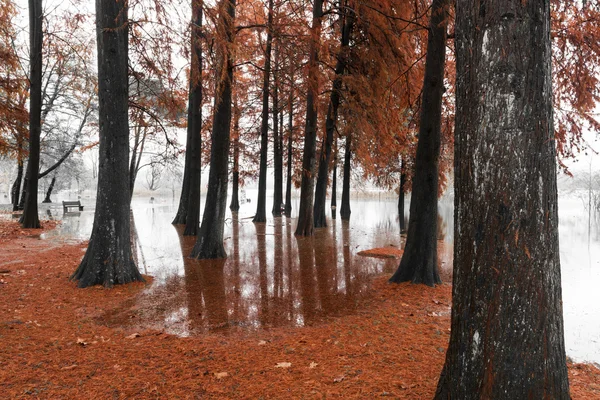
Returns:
<point x="277" y="156"/>
<point x="192" y="221"/>
<point x="330" y="123"/>
<point x="16" y="187"/>
<point x="288" y="181"/>
<point x="334" y="184"/>
<point x="30" y="217"/>
<point x="210" y="237"/>
<point x="235" y="202"/>
<point x="419" y="261"/>
<point x="401" y="190"/>
<point x="307" y="188"/>
<point x="23" y="191"/>
<point x="49" y="192"/>
<point x="108" y="260"/>
<point x="261" y="204"/>
<point x="345" y="209"/>
<point x="507" y="328"/>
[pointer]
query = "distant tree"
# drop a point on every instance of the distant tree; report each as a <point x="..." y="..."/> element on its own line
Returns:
<point x="507" y="339"/>
<point x="108" y="260"/>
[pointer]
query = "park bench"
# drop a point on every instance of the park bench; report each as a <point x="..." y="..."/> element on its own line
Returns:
<point x="72" y="204"/>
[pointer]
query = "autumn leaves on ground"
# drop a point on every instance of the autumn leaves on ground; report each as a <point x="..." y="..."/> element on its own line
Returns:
<point x="55" y="345"/>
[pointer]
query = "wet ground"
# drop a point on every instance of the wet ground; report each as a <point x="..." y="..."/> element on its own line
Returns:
<point x="272" y="279"/>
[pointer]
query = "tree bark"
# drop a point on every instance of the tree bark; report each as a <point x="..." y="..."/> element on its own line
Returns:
<point x="277" y="152"/>
<point x="192" y="221"/>
<point x="507" y="328"/>
<point x="49" y="192"/>
<point x="210" y="238"/>
<point x="261" y="204"/>
<point x="330" y="123"/>
<point x="345" y="209"/>
<point x="334" y="183"/>
<point x="108" y="260"/>
<point x="305" y="213"/>
<point x="419" y="260"/>
<point x="16" y="187"/>
<point x="234" y="206"/>
<point x="288" y="181"/>
<point x="30" y="217"/>
<point x="401" y="190"/>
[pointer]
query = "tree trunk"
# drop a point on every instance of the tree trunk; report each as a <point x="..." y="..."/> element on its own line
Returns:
<point x="330" y="123"/>
<point x="235" y="202"/>
<point x="261" y="204"/>
<point x="507" y="328"/>
<point x="30" y="217"/>
<point x="345" y="210"/>
<point x="305" y="213"/>
<point x="108" y="260"/>
<point x="192" y="221"/>
<point x="419" y="260"/>
<point x="49" y="192"/>
<point x="16" y="187"/>
<point x="277" y="157"/>
<point x="288" y="181"/>
<point x="210" y="237"/>
<point x="401" y="190"/>
<point x="334" y="184"/>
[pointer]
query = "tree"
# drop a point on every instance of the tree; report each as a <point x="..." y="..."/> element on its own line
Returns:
<point x="30" y="217"/>
<point x="419" y="260"/>
<point x="210" y="237"/>
<point x="345" y="210"/>
<point x="108" y="260"/>
<point x="507" y="329"/>
<point x="305" y="225"/>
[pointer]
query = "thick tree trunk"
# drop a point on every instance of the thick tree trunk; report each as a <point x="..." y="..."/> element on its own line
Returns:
<point x="49" y="192"/>
<point x="261" y="204"/>
<point x="192" y="221"/>
<point x="507" y="328"/>
<point x="288" y="180"/>
<point x="419" y="260"/>
<point x="210" y="237"/>
<point x="108" y="260"/>
<point x="277" y="156"/>
<point x="345" y="209"/>
<point x="30" y="217"/>
<point x="305" y="212"/>
<point x="16" y="187"/>
<point x="330" y="123"/>
<point x="401" y="190"/>
<point x="334" y="184"/>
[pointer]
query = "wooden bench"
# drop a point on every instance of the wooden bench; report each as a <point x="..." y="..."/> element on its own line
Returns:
<point x="72" y="204"/>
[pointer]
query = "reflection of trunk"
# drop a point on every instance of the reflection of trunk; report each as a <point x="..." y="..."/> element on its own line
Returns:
<point x="305" y="213"/>
<point x="324" y="267"/>
<point x="347" y="261"/>
<point x="210" y="237"/>
<point x="16" y="187"/>
<point x="330" y="123"/>
<point x="334" y="184"/>
<point x="419" y="260"/>
<point x="108" y="260"/>
<point x="30" y="217"/>
<point x="290" y="270"/>
<point x="277" y="151"/>
<point x="401" y="190"/>
<point x="345" y="210"/>
<point x="49" y="192"/>
<point x="278" y="262"/>
<point x="288" y="183"/>
<point x="261" y="204"/>
<point x="237" y="292"/>
<point x="306" y="256"/>
<point x="263" y="312"/>
<point x="192" y="221"/>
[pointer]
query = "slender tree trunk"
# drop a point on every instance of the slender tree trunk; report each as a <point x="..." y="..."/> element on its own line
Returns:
<point x="330" y="123"/>
<point x="23" y="191"/>
<point x="16" y="187"/>
<point x="345" y="210"/>
<point x="261" y="204"/>
<point x="133" y="162"/>
<point x="507" y="338"/>
<point x="108" y="260"/>
<point x="30" y="217"/>
<point x="49" y="192"/>
<point x="305" y="213"/>
<point x="210" y="237"/>
<point x="277" y="156"/>
<point x="288" y="181"/>
<point x="334" y="183"/>
<point x="192" y="221"/>
<point x="235" y="202"/>
<point x="401" y="190"/>
<point x="419" y="260"/>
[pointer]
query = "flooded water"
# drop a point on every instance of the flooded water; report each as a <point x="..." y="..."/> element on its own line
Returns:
<point x="271" y="278"/>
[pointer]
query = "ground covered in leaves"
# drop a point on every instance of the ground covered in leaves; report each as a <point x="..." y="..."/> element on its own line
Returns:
<point x="53" y="345"/>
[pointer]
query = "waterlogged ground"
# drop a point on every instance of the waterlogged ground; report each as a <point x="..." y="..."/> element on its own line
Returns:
<point x="272" y="279"/>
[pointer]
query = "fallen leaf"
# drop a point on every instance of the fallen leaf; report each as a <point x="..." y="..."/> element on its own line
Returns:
<point x="283" y="365"/>
<point x="70" y="367"/>
<point x="81" y="342"/>
<point x="221" y="375"/>
<point x="132" y="336"/>
<point x="313" y="365"/>
<point x="262" y="342"/>
<point x="339" y="379"/>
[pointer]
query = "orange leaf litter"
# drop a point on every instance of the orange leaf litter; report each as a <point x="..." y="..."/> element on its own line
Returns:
<point x="52" y="345"/>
